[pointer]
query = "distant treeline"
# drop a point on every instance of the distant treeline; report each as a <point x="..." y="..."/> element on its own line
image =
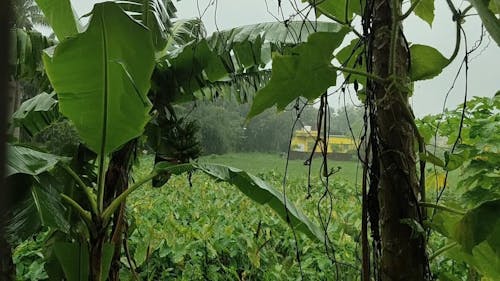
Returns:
<point x="223" y="127"/>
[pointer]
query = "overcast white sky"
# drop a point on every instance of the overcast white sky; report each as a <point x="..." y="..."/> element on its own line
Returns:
<point x="484" y="73"/>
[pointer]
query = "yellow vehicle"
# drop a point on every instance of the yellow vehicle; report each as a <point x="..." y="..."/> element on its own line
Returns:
<point x="339" y="147"/>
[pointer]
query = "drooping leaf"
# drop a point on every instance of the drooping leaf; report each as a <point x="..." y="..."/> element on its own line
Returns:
<point x="264" y="194"/>
<point x="478" y="225"/>
<point x="425" y="10"/>
<point x="36" y="113"/>
<point x="154" y="14"/>
<point x="426" y="62"/>
<point x="40" y="207"/>
<point x="23" y="160"/>
<point x="61" y="17"/>
<point x="184" y="31"/>
<point x="102" y="77"/>
<point x="490" y="21"/>
<point x="306" y="72"/>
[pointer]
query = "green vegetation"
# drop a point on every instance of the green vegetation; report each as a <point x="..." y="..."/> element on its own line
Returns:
<point x="83" y="209"/>
<point x="263" y="163"/>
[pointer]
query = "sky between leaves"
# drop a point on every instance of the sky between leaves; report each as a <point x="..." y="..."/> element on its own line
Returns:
<point x="429" y="97"/>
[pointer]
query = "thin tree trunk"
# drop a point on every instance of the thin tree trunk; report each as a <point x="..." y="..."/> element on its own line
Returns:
<point x="403" y="248"/>
<point x="96" y="252"/>
<point x="117" y="180"/>
<point x="7" y="269"/>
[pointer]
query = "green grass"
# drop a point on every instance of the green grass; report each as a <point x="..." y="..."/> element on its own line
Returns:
<point x="262" y="163"/>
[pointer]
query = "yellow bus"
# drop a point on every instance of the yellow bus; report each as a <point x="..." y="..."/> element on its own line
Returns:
<point x="339" y="147"/>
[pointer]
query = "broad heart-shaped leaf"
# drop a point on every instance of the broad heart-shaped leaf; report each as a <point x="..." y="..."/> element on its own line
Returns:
<point x="490" y="21"/>
<point x="426" y="62"/>
<point x="23" y="160"/>
<point x="478" y="225"/>
<point x="61" y="17"/>
<point x="425" y="10"/>
<point x="352" y="56"/>
<point x="306" y="72"/>
<point x="483" y="258"/>
<point x="36" y="113"/>
<point x="264" y="194"/>
<point x="102" y="76"/>
<point x="337" y="8"/>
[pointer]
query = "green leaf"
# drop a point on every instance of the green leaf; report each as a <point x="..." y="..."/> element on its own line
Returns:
<point x="490" y="21"/>
<point x="264" y="194"/>
<point x="40" y="207"/>
<point x="306" y="72"/>
<point x="23" y="160"/>
<point x="431" y="158"/>
<point x="107" y="256"/>
<point x="425" y="10"/>
<point x="426" y="62"/>
<point x="61" y="17"/>
<point x="336" y="8"/>
<point x="74" y="260"/>
<point x="454" y="160"/>
<point x="478" y="225"/>
<point x="350" y="56"/>
<point x="494" y="6"/>
<point x="102" y="77"/>
<point x="483" y="259"/>
<point x="36" y="113"/>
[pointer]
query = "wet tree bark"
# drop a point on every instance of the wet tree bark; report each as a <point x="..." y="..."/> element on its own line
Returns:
<point x="402" y="248"/>
<point x="7" y="269"/>
<point x="117" y="181"/>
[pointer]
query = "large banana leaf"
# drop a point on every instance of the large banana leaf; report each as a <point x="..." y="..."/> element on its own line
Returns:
<point x="101" y="77"/>
<point x="40" y="206"/>
<point x="36" y="113"/>
<point x="23" y="160"/>
<point x="155" y="14"/>
<point x="37" y="200"/>
<point x="26" y="48"/>
<point x="256" y="189"/>
<point x="61" y="17"/>
<point x="228" y="54"/>
<point x="264" y="194"/>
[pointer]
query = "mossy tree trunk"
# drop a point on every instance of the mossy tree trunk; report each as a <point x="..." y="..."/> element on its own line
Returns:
<point x="402" y="247"/>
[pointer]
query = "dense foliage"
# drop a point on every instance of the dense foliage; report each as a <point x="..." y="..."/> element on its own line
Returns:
<point x="79" y="213"/>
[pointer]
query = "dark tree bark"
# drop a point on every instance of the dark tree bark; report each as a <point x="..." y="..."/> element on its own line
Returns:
<point x="402" y="248"/>
<point x="7" y="269"/>
<point x="117" y="181"/>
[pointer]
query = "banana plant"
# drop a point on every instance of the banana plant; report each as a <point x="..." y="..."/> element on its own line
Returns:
<point x="102" y="76"/>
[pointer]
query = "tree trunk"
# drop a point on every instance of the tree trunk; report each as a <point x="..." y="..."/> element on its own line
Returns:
<point x="403" y="248"/>
<point x="96" y="252"/>
<point x="7" y="269"/>
<point x="117" y="179"/>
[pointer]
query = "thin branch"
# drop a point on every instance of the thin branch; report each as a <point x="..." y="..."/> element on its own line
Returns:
<point x="441" y="207"/>
<point x="410" y="10"/>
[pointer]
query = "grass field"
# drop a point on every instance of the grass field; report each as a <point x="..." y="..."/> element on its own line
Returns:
<point x="261" y="163"/>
